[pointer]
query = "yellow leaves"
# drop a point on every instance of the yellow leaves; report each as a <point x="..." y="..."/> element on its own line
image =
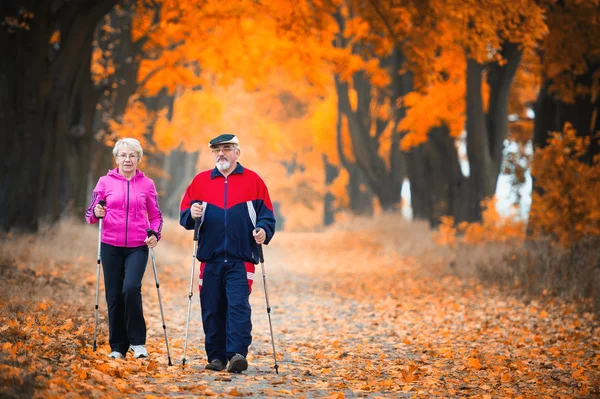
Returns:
<point x="442" y="103"/>
<point x="446" y="234"/>
<point x="55" y="38"/>
<point x="168" y="72"/>
<point x="42" y="305"/>
<point x="83" y="374"/>
<point x="410" y="375"/>
<point x="506" y="378"/>
<point x="474" y="363"/>
<point x="197" y="115"/>
<point x="357" y="28"/>
<point x="8" y="373"/>
<point x="493" y="228"/>
<point x="568" y="208"/>
<point x="134" y="122"/>
<point x="234" y="391"/>
<point x="123" y="386"/>
<point x="381" y="307"/>
<point x="101" y="67"/>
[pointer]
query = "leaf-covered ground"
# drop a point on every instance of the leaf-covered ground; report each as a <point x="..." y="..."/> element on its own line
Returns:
<point x="367" y="309"/>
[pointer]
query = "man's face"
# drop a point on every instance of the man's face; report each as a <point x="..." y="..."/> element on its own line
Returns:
<point x="225" y="155"/>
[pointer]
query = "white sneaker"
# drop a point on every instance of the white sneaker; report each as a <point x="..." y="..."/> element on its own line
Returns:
<point x="139" y="351"/>
<point x="116" y="355"/>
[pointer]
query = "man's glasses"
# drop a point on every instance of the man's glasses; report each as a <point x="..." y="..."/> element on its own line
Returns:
<point x="133" y="157"/>
<point x="224" y="149"/>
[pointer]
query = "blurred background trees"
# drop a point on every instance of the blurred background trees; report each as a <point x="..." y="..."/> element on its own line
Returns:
<point x="345" y="107"/>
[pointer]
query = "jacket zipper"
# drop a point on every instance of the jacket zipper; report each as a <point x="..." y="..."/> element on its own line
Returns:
<point x="225" y="213"/>
<point x="127" y="214"/>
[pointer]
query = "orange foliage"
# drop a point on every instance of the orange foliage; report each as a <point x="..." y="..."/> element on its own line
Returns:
<point x="443" y="35"/>
<point x="134" y="121"/>
<point x="358" y="287"/>
<point x="492" y="228"/>
<point x="567" y="207"/>
<point x="568" y="20"/>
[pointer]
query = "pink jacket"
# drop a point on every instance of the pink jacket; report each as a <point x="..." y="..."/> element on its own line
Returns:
<point x="131" y="208"/>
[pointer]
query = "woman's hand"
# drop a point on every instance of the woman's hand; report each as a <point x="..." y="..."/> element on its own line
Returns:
<point x="151" y="241"/>
<point x="99" y="211"/>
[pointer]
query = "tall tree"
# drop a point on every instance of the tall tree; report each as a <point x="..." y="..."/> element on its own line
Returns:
<point x="40" y="84"/>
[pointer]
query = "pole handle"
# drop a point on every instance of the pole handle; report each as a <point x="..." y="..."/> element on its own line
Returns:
<point x="261" y="258"/>
<point x="151" y="232"/>
<point x="197" y="222"/>
<point x="102" y="204"/>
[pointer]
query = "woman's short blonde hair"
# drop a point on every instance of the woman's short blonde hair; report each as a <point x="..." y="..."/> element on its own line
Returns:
<point x="131" y="143"/>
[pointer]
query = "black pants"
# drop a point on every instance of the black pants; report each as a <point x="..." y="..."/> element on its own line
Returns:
<point x="123" y="272"/>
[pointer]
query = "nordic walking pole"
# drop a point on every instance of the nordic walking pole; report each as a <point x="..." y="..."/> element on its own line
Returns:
<point x="262" y="265"/>
<point x="162" y="315"/>
<point x="102" y="204"/>
<point x="191" y="293"/>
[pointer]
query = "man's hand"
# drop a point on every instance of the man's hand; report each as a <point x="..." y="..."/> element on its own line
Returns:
<point x="196" y="211"/>
<point x="259" y="235"/>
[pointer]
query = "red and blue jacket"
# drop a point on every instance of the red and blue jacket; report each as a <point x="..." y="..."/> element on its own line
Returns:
<point x="233" y="206"/>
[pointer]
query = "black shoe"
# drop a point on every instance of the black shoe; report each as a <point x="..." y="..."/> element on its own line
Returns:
<point x="237" y="364"/>
<point x="215" y="365"/>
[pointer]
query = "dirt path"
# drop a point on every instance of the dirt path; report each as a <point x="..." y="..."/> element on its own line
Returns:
<point x="353" y="317"/>
<point x="370" y="312"/>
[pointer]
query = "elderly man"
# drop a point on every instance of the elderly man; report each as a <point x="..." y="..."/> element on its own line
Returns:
<point x="233" y="206"/>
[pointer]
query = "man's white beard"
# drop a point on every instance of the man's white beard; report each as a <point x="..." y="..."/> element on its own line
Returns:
<point x="223" y="165"/>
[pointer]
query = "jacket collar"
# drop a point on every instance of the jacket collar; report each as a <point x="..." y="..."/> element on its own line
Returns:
<point x="239" y="169"/>
<point x="115" y="173"/>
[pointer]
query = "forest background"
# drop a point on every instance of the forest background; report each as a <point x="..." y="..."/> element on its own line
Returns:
<point x="348" y="109"/>
<point x="341" y="106"/>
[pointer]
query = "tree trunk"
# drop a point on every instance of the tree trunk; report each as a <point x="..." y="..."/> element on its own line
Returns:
<point x="436" y="179"/>
<point x="499" y="79"/>
<point x="486" y="133"/>
<point x="418" y="175"/>
<point x="448" y="180"/>
<point x="361" y="199"/>
<point x="41" y="85"/>
<point x="21" y="69"/>
<point x="180" y="166"/>
<point x="384" y="181"/>
<point x="79" y="143"/>
<point x="65" y="80"/>
<point x="358" y="199"/>
<point x="551" y="114"/>
<point x="331" y="173"/>
<point x="480" y="184"/>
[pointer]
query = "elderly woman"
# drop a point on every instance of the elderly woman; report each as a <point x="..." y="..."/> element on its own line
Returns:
<point x="131" y="209"/>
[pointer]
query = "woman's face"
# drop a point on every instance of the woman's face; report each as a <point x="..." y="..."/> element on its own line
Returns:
<point x="127" y="159"/>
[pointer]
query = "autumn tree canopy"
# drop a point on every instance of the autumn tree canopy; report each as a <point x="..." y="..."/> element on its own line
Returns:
<point x="340" y="102"/>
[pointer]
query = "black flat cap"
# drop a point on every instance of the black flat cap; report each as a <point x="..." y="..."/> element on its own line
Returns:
<point x="224" y="139"/>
